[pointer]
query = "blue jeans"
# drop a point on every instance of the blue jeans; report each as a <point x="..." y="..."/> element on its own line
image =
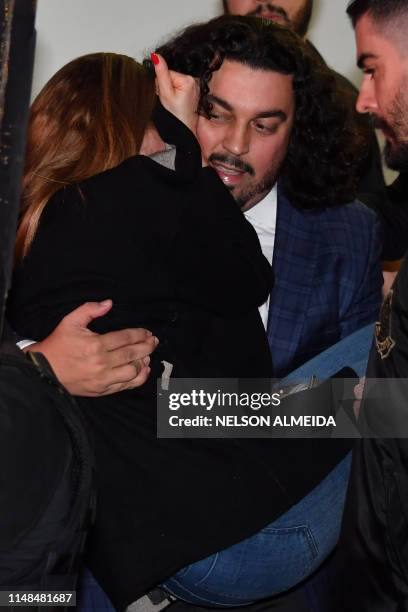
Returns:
<point x="275" y="559"/>
<point x="91" y="597"/>
<point x="289" y="549"/>
<point x="350" y="352"/>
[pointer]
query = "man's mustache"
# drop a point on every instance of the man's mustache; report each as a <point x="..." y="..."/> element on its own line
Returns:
<point x="270" y="8"/>
<point x="232" y="162"/>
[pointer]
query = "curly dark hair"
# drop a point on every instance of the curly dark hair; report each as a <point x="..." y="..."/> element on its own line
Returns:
<point x="323" y="154"/>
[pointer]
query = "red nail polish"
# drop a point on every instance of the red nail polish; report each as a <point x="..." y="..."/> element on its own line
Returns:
<point x="155" y="58"/>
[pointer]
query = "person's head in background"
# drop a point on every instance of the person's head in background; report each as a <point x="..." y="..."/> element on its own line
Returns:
<point x="266" y="111"/>
<point x="381" y="28"/>
<point x="294" y="14"/>
<point x="91" y="115"/>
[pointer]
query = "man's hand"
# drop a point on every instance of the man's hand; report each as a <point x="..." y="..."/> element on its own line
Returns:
<point x="91" y="364"/>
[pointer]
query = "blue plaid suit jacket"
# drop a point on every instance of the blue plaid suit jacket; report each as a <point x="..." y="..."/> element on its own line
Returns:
<point x="328" y="279"/>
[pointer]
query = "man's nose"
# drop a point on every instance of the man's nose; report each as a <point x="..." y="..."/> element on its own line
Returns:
<point x="367" y="101"/>
<point x="237" y="140"/>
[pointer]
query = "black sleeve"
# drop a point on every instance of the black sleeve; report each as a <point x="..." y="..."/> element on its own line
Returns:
<point x="390" y="204"/>
<point x="373" y="192"/>
<point x="397" y="215"/>
<point x="369" y="574"/>
<point x="9" y="335"/>
<point x="219" y="259"/>
<point x="218" y="256"/>
<point x="389" y="356"/>
<point x="373" y="552"/>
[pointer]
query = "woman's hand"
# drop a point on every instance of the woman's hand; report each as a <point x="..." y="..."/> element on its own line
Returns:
<point x="178" y="93"/>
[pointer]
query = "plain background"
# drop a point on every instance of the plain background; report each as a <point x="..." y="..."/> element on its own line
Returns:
<point x="69" y="28"/>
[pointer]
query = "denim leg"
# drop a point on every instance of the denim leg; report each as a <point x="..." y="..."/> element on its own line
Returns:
<point x="353" y="352"/>
<point x="91" y="597"/>
<point x="350" y="352"/>
<point x="275" y="559"/>
<point x="301" y="539"/>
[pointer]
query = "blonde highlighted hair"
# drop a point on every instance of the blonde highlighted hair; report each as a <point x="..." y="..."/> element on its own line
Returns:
<point x="90" y="116"/>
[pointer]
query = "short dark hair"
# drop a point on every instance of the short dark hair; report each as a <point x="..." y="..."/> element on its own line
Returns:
<point x="323" y="150"/>
<point x="380" y="10"/>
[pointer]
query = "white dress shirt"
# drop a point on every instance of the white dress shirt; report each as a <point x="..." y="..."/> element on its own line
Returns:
<point x="262" y="217"/>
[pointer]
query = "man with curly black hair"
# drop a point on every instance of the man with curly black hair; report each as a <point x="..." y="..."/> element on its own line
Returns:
<point x="278" y="139"/>
<point x="388" y="203"/>
<point x="295" y="119"/>
<point x="282" y="144"/>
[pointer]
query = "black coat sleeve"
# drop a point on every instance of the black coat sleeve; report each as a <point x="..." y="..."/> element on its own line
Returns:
<point x="219" y="259"/>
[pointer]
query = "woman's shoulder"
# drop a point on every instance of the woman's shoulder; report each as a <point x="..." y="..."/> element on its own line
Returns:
<point x="131" y="169"/>
<point x="138" y="173"/>
<point x="128" y="176"/>
<point x="138" y="186"/>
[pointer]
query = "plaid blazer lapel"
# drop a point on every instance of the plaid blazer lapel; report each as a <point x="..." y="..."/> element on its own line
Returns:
<point x="294" y="265"/>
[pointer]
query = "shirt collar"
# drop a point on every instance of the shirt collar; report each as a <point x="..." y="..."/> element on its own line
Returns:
<point x="261" y="212"/>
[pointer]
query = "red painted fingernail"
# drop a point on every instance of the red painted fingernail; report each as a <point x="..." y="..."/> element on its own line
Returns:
<point x="155" y="58"/>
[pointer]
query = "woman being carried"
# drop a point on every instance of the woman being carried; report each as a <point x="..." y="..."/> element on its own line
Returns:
<point x="174" y="252"/>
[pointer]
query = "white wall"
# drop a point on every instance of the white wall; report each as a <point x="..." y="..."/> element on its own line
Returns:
<point x="68" y="28"/>
<point x="331" y="32"/>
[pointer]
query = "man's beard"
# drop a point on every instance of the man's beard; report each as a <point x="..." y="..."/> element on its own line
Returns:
<point x="257" y="189"/>
<point x="397" y="159"/>
<point x="299" y="23"/>
<point x="396" y="127"/>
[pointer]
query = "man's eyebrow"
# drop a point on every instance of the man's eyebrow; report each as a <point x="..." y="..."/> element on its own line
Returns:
<point x="216" y="100"/>
<point x="363" y="58"/>
<point x="280" y="114"/>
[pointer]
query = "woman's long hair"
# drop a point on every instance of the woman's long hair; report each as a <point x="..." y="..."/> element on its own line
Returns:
<point x="90" y="116"/>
